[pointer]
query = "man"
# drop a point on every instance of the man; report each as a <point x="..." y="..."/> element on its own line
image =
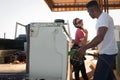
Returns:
<point x="105" y="40"/>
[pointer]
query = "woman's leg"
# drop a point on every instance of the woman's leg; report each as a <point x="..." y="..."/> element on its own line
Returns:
<point x="83" y="71"/>
<point x="76" y="72"/>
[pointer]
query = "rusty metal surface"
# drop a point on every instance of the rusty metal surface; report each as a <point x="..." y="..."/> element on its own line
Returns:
<point x="76" y="5"/>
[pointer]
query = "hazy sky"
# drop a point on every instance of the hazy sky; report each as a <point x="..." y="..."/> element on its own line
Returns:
<point x="28" y="11"/>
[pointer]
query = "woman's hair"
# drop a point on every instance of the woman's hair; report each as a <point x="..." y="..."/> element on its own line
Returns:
<point x="74" y="21"/>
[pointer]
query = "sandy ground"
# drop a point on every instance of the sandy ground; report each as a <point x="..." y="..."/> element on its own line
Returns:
<point x="12" y="68"/>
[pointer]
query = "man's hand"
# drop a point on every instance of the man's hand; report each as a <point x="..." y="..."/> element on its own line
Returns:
<point x="81" y="52"/>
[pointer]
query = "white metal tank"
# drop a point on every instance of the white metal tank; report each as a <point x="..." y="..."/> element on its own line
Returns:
<point x="48" y="51"/>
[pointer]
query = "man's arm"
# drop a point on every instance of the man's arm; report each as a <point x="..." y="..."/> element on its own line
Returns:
<point x="96" y="40"/>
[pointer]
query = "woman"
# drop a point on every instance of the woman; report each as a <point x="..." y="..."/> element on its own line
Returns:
<point x="80" y="39"/>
